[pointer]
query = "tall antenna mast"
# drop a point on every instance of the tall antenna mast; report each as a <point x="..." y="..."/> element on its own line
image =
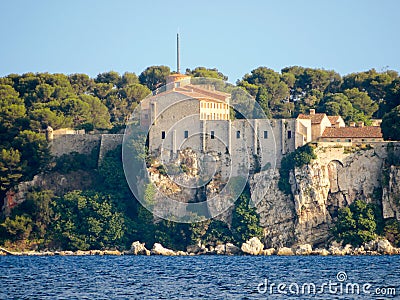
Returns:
<point x="178" y="67"/>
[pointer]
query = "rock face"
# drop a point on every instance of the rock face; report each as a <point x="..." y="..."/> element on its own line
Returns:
<point x="253" y="246"/>
<point x="338" y="177"/>
<point x="276" y="210"/>
<point x="231" y="249"/>
<point x="391" y="194"/>
<point x="58" y="183"/>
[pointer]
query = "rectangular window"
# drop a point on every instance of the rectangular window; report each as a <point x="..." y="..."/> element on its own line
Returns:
<point x="265" y="134"/>
<point x="186" y="134"/>
<point x="146" y="116"/>
<point x="238" y="134"/>
<point x="212" y="134"/>
<point x="289" y="134"/>
<point x="162" y="134"/>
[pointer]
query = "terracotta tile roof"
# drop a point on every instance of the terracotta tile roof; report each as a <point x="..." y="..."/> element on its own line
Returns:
<point x="353" y="132"/>
<point x="195" y="92"/>
<point x="333" y="119"/>
<point x="315" y="118"/>
<point x="205" y="91"/>
<point x="200" y="93"/>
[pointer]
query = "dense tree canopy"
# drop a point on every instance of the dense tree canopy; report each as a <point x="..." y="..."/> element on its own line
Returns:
<point x="391" y="125"/>
<point x="154" y="77"/>
<point x="270" y="90"/>
<point x="357" y="223"/>
<point x="205" y="72"/>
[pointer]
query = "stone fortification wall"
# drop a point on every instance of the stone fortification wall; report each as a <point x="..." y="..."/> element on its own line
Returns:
<point x="85" y="143"/>
<point x="109" y="142"/>
<point x="68" y="143"/>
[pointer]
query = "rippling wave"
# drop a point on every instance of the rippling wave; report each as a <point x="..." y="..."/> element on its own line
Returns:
<point x="194" y="277"/>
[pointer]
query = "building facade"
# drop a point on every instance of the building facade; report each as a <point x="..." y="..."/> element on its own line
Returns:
<point x="184" y="115"/>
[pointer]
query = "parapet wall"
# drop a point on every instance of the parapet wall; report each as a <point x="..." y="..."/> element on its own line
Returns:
<point x="109" y="142"/>
<point x="85" y="143"/>
<point x="68" y="143"/>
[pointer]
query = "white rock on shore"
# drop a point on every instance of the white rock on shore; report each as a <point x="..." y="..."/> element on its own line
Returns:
<point x="269" y="251"/>
<point x="285" y="251"/>
<point x="220" y="249"/>
<point x="385" y="247"/>
<point x="305" y="249"/>
<point x="158" y="249"/>
<point x="253" y="246"/>
<point x="138" y="248"/>
<point x="321" y="252"/>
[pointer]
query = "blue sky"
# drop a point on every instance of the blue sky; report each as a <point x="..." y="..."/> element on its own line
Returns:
<point x="95" y="36"/>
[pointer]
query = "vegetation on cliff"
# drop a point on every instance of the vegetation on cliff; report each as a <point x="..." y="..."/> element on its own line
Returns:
<point x="108" y="216"/>
<point x="391" y="125"/>
<point x="358" y="223"/>
<point x="362" y="222"/>
<point x="298" y="158"/>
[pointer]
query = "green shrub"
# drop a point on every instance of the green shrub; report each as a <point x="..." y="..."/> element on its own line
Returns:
<point x="17" y="227"/>
<point x="300" y="157"/>
<point x="357" y="223"/>
<point x="392" y="232"/>
<point x="75" y="161"/>
<point x="87" y="220"/>
<point x="245" y="220"/>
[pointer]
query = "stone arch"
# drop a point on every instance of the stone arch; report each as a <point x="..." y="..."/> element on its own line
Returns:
<point x="335" y="199"/>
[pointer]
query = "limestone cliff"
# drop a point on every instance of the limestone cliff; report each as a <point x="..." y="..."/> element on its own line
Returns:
<point x="391" y="194"/>
<point x="339" y="176"/>
<point x="57" y="182"/>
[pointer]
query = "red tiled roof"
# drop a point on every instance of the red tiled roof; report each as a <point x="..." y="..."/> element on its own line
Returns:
<point x="315" y="118"/>
<point x="333" y="119"/>
<point x="205" y="91"/>
<point x="197" y="92"/>
<point x="353" y="132"/>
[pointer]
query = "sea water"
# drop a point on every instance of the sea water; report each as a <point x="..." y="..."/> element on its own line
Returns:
<point x="200" y="277"/>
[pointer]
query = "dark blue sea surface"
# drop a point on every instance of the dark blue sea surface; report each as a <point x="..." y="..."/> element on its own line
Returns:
<point x="199" y="277"/>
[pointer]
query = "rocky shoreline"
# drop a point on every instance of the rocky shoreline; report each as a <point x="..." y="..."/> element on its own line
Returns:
<point x="252" y="247"/>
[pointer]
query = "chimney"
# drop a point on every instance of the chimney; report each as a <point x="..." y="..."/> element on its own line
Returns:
<point x="352" y="124"/>
<point x="360" y="124"/>
<point x="312" y="111"/>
